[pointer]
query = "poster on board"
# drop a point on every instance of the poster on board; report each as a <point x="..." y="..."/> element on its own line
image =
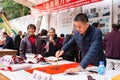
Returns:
<point x="116" y="11"/>
<point x="53" y="20"/>
<point x="100" y="12"/>
<point x="65" y="20"/>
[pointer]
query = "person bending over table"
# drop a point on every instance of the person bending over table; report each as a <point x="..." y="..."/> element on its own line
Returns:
<point x="89" y="42"/>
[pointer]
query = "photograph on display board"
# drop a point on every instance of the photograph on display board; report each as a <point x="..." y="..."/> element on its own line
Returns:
<point x="93" y="10"/>
<point x="99" y="9"/>
<point x="106" y="11"/>
<point x="105" y="30"/>
<point x="95" y="15"/>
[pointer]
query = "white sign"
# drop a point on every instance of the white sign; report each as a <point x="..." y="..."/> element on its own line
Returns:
<point x="6" y="60"/>
<point x="38" y="75"/>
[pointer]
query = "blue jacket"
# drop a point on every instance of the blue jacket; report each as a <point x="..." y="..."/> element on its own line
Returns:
<point x="90" y="46"/>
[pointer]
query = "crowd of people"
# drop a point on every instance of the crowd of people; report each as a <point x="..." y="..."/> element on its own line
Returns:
<point x="84" y="44"/>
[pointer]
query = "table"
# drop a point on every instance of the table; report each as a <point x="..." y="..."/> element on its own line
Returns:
<point x="24" y="75"/>
<point x="7" y="52"/>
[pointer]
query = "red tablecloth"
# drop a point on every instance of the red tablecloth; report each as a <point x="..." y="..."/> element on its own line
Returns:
<point x="54" y="69"/>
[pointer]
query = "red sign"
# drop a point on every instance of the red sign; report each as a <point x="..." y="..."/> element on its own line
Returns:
<point x="55" y="69"/>
<point x="58" y="5"/>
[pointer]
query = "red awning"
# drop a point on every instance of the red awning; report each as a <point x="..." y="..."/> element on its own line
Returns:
<point x="58" y="5"/>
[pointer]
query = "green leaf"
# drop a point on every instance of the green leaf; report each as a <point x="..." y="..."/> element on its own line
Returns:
<point x="14" y="10"/>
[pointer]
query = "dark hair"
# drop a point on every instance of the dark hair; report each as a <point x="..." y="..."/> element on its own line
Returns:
<point x="43" y="32"/>
<point x="96" y="24"/>
<point x="31" y="25"/>
<point x="81" y="17"/>
<point x="115" y="27"/>
<point x="62" y="35"/>
<point x="5" y="33"/>
<point x="19" y="32"/>
<point x="67" y="35"/>
<point x="52" y="29"/>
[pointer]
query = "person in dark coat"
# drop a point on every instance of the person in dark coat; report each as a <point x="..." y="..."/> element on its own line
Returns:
<point x="89" y="42"/>
<point x="111" y="45"/>
<point x="17" y="41"/>
<point x="43" y="36"/>
<point x="30" y="44"/>
<point x="52" y="43"/>
<point x="9" y="44"/>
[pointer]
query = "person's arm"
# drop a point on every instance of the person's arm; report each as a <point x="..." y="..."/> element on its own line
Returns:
<point x="22" y="48"/>
<point x="55" y="41"/>
<point x="94" y="50"/>
<point x="65" y="47"/>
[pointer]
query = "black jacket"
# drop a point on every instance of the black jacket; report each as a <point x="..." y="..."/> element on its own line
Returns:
<point x="27" y="47"/>
<point x="17" y="40"/>
<point x="8" y="43"/>
<point x="52" y="48"/>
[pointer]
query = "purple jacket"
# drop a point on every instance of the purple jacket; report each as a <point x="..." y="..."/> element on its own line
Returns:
<point x="112" y="45"/>
<point x="27" y="47"/>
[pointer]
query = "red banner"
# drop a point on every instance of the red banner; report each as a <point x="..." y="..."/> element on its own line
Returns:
<point x="55" y="69"/>
<point x="58" y="5"/>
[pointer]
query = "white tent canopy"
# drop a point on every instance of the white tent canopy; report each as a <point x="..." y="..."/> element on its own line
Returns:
<point x="30" y="3"/>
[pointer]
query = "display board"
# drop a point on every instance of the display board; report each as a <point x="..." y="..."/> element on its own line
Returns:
<point x="100" y="12"/>
<point x="65" y="20"/>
